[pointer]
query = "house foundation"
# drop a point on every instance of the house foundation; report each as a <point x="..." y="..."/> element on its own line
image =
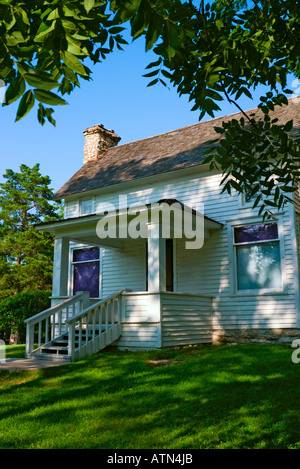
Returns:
<point x="255" y="336"/>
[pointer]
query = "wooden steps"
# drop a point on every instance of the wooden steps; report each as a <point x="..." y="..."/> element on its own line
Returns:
<point x="57" y="349"/>
<point x="74" y="335"/>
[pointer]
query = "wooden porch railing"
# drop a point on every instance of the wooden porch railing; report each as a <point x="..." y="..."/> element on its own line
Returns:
<point x="51" y="323"/>
<point x="94" y="328"/>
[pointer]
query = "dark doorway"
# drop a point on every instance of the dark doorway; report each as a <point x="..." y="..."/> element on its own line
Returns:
<point x="169" y="265"/>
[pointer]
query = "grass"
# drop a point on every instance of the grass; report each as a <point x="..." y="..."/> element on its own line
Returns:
<point x="195" y="397"/>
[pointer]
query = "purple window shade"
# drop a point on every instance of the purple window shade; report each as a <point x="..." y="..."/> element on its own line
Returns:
<point x="254" y="233"/>
<point x="88" y="254"/>
<point x="86" y="278"/>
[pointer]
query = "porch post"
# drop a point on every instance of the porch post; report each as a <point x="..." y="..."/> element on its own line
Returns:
<point x="156" y="259"/>
<point x="60" y="267"/>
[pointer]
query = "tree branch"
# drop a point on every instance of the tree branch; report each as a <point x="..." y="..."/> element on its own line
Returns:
<point x="231" y="101"/>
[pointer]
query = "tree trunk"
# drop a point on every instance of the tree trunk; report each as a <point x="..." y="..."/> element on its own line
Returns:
<point x="14" y="338"/>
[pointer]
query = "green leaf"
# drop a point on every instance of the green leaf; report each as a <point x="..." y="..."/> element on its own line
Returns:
<point x="49" y="112"/>
<point x="244" y="90"/>
<point x="41" y="114"/>
<point x="26" y="104"/>
<point x="116" y="30"/>
<point x="288" y="126"/>
<point x="153" y="82"/>
<point x="14" y="39"/>
<point x="15" y="90"/>
<point x="47" y="97"/>
<point x="74" y="63"/>
<point x="212" y="79"/>
<point x="151" y="74"/>
<point x="40" y="81"/>
<point x="288" y="188"/>
<point x="88" y="5"/>
<point x="75" y="46"/>
<point x="43" y="31"/>
<point x="166" y="74"/>
<point x="53" y="15"/>
<point x="12" y="22"/>
<point x="154" y="64"/>
<point x="219" y="24"/>
<point x="44" y="113"/>
<point x="70" y="26"/>
<point x="154" y="31"/>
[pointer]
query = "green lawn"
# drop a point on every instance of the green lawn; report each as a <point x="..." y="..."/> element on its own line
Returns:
<point x="198" y="397"/>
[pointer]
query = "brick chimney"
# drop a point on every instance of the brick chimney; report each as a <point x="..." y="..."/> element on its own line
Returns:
<point x="97" y="141"/>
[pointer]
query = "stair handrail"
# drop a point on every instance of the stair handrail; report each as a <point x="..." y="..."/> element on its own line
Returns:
<point x="47" y="314"/>
<point x="94" y="312"/>
<point x="83" y="313"/>
<point x="52" y="310"/>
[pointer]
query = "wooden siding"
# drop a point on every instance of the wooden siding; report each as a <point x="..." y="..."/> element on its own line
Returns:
<point x="139" y="336"/>
<point x="143" y="307"/>
<point x="209" y="270"/>
<point x="154" y="320"/>
<point x="140" y="321"/>
<point x="185" y="319"/>
<point x="295" y="212"/>
<point x="72" y="209"/>
<point x="124" y="268"/>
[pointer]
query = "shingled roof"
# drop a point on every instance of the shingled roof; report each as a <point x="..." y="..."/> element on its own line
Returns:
<point x="171" y="151"/>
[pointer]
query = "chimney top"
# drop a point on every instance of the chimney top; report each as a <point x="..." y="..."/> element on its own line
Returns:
<point x="97" y="140"/>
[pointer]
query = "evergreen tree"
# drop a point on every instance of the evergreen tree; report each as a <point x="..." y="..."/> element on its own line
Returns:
<point x="25" y="253"/>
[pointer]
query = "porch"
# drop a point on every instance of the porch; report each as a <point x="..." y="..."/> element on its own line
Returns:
<point x="78" y="327"/>
<point x="148" y="312"/>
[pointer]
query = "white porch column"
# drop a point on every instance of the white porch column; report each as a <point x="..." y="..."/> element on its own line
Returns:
<point x="60" y="267"/>
<point x="156" y="259"/>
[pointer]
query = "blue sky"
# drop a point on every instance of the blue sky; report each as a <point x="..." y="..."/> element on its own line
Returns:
<point x="118" y="97"/>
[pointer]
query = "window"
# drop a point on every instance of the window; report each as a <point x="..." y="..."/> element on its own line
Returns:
<point x="86" y="271"/>
<point x="86" y="206"/>
<point x="258" y="259"/>
<point x="246" y="200"/>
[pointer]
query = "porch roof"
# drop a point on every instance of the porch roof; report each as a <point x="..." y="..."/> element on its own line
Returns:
<point x="83" y="228"/>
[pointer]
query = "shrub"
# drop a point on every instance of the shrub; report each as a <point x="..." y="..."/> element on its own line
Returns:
<point x="6" y="294"/>
<point x="14" y="311"/>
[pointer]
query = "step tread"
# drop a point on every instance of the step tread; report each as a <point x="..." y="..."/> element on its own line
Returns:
<point x="53" y="347"/>
<point x="49" y="356"/>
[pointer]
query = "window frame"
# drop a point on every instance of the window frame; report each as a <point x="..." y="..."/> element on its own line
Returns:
<point x="233" y="257"/>
<point x="84" y="200"/>
<point x="243" y="203"/>
<point x="72" y="263"/>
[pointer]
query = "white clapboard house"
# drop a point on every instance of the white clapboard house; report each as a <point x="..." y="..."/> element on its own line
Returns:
<point x="151" y="291"/>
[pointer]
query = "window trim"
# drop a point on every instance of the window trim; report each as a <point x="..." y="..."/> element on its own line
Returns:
<point x="71" y="269"/>
<point x="243" y="204"/>
<point x="86" y="199"/>
<point x="234" y="291"/>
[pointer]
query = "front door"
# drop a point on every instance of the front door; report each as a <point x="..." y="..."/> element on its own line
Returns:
<point x="169" y="265"/>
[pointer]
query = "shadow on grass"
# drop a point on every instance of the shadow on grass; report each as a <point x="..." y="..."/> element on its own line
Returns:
<point x="208" y="397"/>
